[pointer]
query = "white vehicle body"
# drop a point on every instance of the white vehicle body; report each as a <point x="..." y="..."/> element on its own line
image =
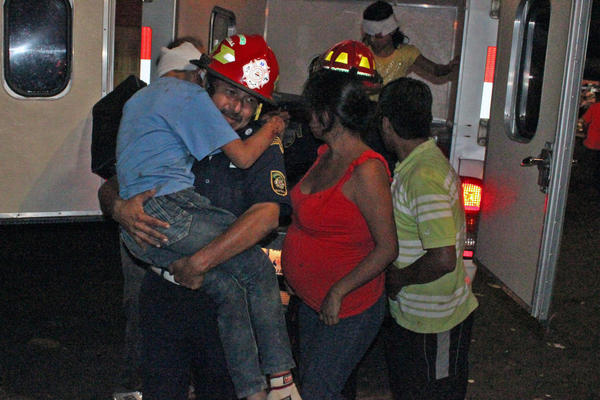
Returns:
<point x="46" y="141"/>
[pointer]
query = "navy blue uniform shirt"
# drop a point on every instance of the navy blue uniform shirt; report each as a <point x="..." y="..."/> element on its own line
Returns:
<point x="235" y="189"/>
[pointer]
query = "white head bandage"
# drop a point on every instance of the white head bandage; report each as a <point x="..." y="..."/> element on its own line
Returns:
<point x="178" y="58"/>
<point x="383" y="27"/>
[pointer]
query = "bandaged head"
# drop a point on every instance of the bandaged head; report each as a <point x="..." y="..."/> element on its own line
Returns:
<point x="178" y="58"/>
<point x="379" y="19"/>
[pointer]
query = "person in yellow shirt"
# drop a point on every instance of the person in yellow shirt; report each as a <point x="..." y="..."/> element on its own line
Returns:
<point x="393" y="57"/>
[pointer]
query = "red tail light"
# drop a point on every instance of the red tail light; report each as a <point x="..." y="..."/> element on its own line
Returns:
<point x="472" y="191"/>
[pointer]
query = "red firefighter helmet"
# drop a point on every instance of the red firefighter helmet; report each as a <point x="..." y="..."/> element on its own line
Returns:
<point x="352" y="57"/>
<point x="248" y="63"/>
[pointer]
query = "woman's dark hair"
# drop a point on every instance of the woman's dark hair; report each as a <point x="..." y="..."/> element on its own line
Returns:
<point x="398" y="37"/>
<point x="379" y="11"/>
<point x="406" y="102"/>
<point x="331" y="94"/>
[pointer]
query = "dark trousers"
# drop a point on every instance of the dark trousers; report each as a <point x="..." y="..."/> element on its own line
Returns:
<point x="179" y="330"/>
<point x="133" y="276"/>
<point x="428" y="366"/>
<point x="328" y="353"/>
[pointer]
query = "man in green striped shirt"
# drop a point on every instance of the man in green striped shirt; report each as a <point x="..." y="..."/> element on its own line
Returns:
<point x="429" y="291"/>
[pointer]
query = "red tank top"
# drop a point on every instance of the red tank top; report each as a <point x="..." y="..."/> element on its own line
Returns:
<point x="327" y="238"/>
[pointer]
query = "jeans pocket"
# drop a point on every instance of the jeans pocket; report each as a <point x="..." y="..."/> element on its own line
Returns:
<point x="167" y="210"/>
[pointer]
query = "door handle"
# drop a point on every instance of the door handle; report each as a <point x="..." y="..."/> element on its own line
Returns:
<point x="542" y="162"/>
<point x="531" y="161"/>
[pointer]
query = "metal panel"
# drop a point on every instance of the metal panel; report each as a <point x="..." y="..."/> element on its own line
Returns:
<point x="480" y="31"/>
<point x="108" y="46"/>
<point x="561" y="167"/>
<point x="161" y="17"/>
<point x="520" y="227"/>
<point x="46" y="144"/>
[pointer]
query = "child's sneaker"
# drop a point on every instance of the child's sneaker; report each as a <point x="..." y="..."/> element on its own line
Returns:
<point x="282" y="387"/>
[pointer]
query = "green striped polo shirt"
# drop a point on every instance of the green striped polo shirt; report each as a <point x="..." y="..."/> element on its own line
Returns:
<point x="428" y="212"/>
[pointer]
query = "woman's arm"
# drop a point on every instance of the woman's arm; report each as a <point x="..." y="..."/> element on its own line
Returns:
<point x="425" y="65"/>
<point x="369" y="189"/>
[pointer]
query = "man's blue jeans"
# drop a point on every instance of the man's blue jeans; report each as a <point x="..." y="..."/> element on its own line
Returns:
<point x="329" y="353"/>
<point x="249" y="311"/>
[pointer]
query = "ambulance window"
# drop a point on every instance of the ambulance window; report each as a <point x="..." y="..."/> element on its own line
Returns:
<point x="37" y="47"/>
<point x="527" y="66"/>
<point x="222" y="25"/>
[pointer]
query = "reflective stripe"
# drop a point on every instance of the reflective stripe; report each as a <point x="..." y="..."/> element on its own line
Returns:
<point x="434" y="206"/>
<point x="436" y="215"/>
<point x="429" y="306"/>
<point x="442" y="359"/>
<point x="433" y="314"/>
<point x="430" y="198"/>
<point x="407" y="260"/>
<point x="412" y="250"/>
<point x="409" y="251"/>
<point x="401" y="208"/>
<point x="434" y="299"/>
<point x="410" y="243"/>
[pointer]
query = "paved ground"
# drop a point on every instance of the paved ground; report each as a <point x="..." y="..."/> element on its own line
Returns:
<point x="61" y="325"/>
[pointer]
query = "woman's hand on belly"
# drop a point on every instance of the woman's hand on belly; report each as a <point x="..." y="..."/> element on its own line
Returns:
<point x="330" y="308"/>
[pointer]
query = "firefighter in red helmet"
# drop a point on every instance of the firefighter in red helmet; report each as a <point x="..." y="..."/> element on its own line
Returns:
<point x="244" y="61"/>
<point x="175" y="115"/>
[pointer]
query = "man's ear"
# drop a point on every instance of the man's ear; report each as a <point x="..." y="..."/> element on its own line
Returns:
<point x="386" y="125"/>
<point x="325" y="118"/>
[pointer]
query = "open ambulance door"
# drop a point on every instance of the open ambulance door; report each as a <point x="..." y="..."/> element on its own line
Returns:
<point x="539" y="65"/>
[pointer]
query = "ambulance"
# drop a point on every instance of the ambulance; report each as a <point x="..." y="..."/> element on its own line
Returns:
<point x="507" y="120"/>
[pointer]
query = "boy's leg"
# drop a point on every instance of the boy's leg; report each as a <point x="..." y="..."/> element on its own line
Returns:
<point x="328" y="354"/>
<point x="236" y="331"/>
<point x="255" y="272"/>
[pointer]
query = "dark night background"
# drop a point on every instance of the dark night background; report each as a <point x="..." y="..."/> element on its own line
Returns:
<point x="592" y="64"/>
<point x="61" y="324"/>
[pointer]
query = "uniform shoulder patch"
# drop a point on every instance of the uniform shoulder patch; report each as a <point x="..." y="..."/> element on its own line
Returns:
<point x="277" y="141"/>
<point x="278" y="182"/>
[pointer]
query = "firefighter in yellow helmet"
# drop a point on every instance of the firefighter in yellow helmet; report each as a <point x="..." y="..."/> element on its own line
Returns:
<point x="355" y="58"/>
